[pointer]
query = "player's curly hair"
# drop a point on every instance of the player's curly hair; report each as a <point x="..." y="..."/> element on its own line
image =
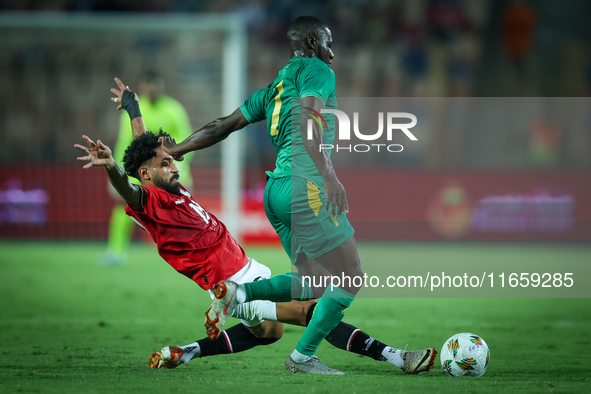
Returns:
<point x="142" y="149"/>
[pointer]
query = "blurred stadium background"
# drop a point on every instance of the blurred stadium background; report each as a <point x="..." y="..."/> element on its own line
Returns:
<point x="56" y="79"/>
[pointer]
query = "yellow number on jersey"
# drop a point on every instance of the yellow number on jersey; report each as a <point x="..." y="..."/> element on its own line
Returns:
<point x="276" y="110"/>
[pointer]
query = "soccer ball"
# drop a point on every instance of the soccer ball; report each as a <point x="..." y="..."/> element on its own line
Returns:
<point x="465" y="354"/>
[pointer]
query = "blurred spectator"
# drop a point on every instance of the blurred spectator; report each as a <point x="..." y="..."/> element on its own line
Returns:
<point x="445" y="18"/>
<point x="464" y="57"/>
<point x="415" y="65"/>
<point x="518" y="25"/>
<point x="279" y="15"/>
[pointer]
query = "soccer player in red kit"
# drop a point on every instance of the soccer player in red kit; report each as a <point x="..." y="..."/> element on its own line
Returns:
<point x="198" y="245"/>
<point x="193" y="241"/>
<point x="189" y="238"/>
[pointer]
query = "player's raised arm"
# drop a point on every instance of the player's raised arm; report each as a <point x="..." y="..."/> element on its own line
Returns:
<point x="333" y="189"/>
<point x="99" y="154"/>
<point x="128" y="100"/>
<point x="208" y="135"/>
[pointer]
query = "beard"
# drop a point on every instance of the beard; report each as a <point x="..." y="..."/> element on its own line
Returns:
<point x="170" y="186"/>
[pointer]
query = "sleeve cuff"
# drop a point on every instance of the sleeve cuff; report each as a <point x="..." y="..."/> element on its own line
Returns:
<point x="246" y="114"/>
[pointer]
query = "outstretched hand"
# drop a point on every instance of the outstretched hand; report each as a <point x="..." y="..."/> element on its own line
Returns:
<point x="99" y="154"/>
<point x="167" y="144"/>
<point x="119" y="93"/>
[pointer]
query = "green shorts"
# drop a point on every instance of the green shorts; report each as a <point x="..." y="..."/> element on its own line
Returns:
<point x="295" y="208"/>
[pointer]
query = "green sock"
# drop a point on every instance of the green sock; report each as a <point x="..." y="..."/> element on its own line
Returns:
<point x="120" y="230"/>
<point x="278" y="289"/>
<point x="327" y="315"/>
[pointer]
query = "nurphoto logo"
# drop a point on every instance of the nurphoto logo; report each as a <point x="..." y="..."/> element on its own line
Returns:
<point x="344" y="133"/>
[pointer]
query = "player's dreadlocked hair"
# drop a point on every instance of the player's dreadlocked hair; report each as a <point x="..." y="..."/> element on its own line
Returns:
<point x="142" y="149"/>
<point x="303" y="27"/>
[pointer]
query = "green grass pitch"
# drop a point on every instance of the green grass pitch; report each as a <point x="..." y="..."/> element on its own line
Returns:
<point x="68" y="324"/>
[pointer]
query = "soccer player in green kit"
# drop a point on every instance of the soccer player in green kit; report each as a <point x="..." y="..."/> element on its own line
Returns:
<point x="319" y="241"/>
<point x="159" y="111"/>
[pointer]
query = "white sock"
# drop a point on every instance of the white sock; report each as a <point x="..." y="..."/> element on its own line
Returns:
<point x="189" y="352"/>
<point x="299" y="357"/>
<point x="240" y="294"/>
<point x="265" y="310"/>
<point x="393" y="356"/>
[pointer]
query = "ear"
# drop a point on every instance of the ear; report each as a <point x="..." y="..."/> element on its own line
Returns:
<point x="312" y="42"/>
<point x="144" y="173"/>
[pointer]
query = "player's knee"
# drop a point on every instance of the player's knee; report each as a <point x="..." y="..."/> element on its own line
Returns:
<point x="276" y="332"/>
<point x="269" y="331"/>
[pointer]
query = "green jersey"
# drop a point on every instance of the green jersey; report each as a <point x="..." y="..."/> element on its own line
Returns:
<point x="280" y="104"/>
<point x="167" y="114"/>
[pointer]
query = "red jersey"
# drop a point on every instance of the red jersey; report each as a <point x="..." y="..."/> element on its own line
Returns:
<point x="190" y="239"/>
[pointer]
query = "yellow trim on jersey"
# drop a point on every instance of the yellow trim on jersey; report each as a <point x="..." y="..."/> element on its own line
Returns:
<point x="276" y="110"/>
<point x="314" y="198"/>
